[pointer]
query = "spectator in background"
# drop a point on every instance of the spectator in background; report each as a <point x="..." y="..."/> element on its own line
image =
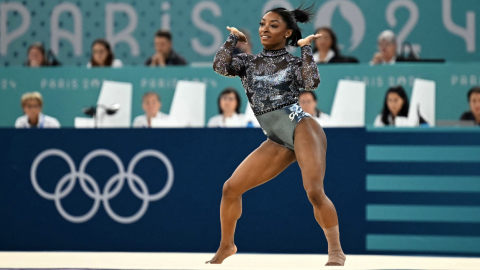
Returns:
<point x="308" y="101"/>
<point x="326" y="48"/>
<point x="243" y="47"/>
<point x="102" y="55"/>
<point x="387" y="46"/>
<point x="474" y="102"/>
<point x="164" y="53"/>
<point x="229" y="109"/>
<point x="32" y="104"/>
<point x="153" y="118"/>
<point x="37" y="56"/>
<point x="395" y="106"/>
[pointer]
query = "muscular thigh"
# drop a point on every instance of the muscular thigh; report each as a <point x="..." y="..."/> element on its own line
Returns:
<point x="263" y="164"/>
<point x="310" y="150"/>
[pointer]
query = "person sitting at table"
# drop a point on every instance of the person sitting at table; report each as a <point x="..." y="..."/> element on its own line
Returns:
<point x="37" y="56"/>
<point x="395" y="107"/>
<point x="387" y="50"/>
<point x="164" y="54"/>
<point x="474" y="102"/>
<point x="32" y="104"/>
<point x="229" y="110"/>
<point x="153" y="118"/>
<point x="102" y="55"/>
<point x="308" y="101"/>
<point x="326" y="49"/>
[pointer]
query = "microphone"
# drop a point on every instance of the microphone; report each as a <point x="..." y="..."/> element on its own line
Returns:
<point x="54" y="61"/>
<point x="92" y="110"/>
<point x="110" y="110"/>
<point x="113" y="109"/>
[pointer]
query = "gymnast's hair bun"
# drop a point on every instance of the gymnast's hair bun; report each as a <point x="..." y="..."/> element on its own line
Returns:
<point x="303" y="15"/>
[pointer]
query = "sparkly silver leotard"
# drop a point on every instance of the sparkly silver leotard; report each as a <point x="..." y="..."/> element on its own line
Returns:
<point x="272" y="81"/>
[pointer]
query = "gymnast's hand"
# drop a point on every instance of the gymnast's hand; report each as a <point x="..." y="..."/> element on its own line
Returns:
<point x="240" y="35"/>
<point x="308" y="40"/>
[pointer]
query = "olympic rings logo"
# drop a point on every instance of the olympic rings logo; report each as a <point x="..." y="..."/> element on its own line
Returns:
<point x="70" y="179"/>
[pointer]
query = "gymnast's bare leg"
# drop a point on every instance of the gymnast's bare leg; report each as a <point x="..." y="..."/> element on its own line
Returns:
<point x="266" y="162"/>
<point x="310" y="149"/>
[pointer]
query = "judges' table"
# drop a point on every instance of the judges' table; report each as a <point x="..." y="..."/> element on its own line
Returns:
<point x="396" y="191"/>
<point x="67" y="90"/>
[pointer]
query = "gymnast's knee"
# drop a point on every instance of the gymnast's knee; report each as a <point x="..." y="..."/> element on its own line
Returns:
<point x="230" y="191"/>
<point x="316" y="195"/>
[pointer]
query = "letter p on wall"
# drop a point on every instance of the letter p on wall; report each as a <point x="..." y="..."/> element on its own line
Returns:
<point x="5" y="37"/>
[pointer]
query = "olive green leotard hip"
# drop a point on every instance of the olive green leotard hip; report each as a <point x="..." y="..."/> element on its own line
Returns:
<point x="279" y="125"/>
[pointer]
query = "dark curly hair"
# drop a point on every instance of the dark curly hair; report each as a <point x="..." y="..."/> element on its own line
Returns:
<point x="301" y="15"/>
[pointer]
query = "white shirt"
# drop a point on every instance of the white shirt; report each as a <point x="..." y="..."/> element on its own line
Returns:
<point x="236" y="120"/>
<point x="117" y="63"/>
<point x="391" y="62"/>
<point x="328" y="57"/>
<point x="44" y="121"/>
<point x="160" y="120"/>
<point x="399" y="121"/>
<point x="378" y="121"/>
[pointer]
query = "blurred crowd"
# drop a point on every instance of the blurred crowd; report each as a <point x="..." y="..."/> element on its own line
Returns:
<point x="102" y="54"/>
<point x="326" y="51"/>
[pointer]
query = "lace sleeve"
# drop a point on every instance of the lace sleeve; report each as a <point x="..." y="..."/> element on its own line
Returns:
<point x="310" y="74"/>
<point x="224" y="63"/>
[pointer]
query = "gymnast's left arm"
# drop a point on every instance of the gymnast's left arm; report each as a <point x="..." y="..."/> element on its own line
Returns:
<point x="309" y="72"/>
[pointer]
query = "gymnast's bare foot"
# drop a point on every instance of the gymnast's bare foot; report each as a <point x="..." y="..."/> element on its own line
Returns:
<point x="223" y="252"/>
<point x="337" y="259"/>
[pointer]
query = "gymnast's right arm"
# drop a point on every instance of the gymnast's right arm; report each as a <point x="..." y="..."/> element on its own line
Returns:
<point x="225" y="63"/>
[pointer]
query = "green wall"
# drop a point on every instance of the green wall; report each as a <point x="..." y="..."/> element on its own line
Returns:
<point x="198" y="26"/>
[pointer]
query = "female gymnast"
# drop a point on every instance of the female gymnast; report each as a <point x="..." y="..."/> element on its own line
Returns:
<point x="272" y="81"/>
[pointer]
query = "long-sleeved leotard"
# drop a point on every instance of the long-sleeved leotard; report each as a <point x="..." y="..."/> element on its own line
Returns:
<point x="272" y="79"/>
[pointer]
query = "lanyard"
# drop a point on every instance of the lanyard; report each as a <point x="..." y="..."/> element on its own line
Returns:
<point x="40" y="125"/>
<point x="42" y="121"/>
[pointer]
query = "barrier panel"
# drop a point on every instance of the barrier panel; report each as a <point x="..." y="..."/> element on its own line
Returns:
<point x="396" y="191"/>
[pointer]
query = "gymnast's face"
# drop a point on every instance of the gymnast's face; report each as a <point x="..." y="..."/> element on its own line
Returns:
<point x="273" y="31"/>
